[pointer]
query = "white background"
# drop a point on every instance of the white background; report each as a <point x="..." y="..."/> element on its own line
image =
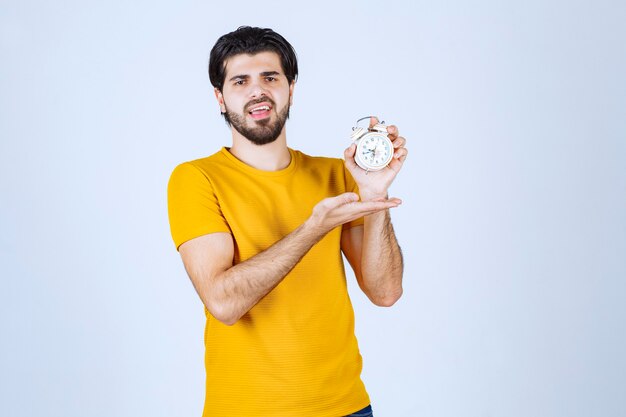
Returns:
<point x="513" y="224"/>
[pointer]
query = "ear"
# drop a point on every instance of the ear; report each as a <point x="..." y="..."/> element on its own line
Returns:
<point x="291" y="87"/>
<point x="220" y="99"/>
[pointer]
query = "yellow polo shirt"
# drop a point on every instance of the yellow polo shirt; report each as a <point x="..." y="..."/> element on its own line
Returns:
<point x="294" y="354"/>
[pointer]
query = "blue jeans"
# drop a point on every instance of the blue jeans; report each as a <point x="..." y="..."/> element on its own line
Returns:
<point x="366" y="412"/>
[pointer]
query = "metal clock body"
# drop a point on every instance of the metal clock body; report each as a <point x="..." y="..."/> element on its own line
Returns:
<point x="374" y="149"/>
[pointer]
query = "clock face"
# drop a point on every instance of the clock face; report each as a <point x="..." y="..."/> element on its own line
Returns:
<point x="374" y="151"/>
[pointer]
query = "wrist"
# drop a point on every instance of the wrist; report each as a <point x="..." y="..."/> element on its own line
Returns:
<point x="313" y="228"/>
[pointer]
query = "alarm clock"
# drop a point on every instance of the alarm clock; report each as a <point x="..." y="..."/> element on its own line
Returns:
<point x="374" y="149"/>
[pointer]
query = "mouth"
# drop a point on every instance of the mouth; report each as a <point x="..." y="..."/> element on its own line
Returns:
<point x="260" y="111"/>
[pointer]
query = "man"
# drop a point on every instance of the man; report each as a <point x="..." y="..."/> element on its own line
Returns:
<point x="261" y="227"/>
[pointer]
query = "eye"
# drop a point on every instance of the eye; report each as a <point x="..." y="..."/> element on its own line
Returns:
<point x="239" y="82"/>
<point x="270" y="78"/>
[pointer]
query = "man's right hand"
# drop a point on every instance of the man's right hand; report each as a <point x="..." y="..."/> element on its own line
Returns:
<point x="335" y="211"/>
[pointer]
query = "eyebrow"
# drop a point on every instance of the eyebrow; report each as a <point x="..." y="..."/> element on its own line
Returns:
<point x="245" y="76"/>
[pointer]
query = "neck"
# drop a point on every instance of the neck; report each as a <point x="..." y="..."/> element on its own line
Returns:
<point x="269" y="157"/>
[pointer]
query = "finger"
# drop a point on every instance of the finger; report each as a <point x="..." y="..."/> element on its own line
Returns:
<point x="373" y="121"/>
<point x="397" y="161"/>
<point x="358" y="212"/>
<point x="370" y="207"/>
<point x="349" y="152"/>
<point x="395" y="200"/>
<point x="399" y="142"/>
<point x="376" y="204"/>
<point x="343" y="199"/>
<point x="334" y="203"/>
<point x="383" y="199"/>
<point x="348" y="156"/>
<point x="400" y="152"/>
<point x="392" y="132"/>
<point x="360" y="209"/>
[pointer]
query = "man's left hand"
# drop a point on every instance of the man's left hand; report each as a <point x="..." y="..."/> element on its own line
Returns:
<point x="374" y="184"/>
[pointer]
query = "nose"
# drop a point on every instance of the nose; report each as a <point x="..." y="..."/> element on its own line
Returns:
<point x="257" y="89"/>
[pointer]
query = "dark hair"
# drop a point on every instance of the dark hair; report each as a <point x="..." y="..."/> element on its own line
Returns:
<point x="250" y="40"/>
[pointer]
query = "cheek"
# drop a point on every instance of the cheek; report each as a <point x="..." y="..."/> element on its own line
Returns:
<point x="230" y="97"/>
<point x="232" y="104"/>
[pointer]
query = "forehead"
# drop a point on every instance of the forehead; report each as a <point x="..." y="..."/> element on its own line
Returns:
<point x="244" y="64"/>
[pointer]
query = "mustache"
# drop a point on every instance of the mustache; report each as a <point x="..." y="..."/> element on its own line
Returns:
<point x="262" y="99"/>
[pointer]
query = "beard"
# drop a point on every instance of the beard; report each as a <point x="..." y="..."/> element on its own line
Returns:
<point x="263" y="131"/>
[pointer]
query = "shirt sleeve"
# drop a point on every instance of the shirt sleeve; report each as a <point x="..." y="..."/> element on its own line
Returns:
<point x="193" y="207"/>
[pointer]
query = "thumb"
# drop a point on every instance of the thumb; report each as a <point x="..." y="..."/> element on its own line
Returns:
<point x="348" y="156"/>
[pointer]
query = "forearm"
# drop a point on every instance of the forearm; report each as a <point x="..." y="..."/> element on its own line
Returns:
<point x="376" y="256"/>
<point x="236" y="290"/>
<point x="230" y="291"/>
<point x="381" y="260"/>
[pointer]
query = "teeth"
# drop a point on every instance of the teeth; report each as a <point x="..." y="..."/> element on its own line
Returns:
<point x="260" y="108"/>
